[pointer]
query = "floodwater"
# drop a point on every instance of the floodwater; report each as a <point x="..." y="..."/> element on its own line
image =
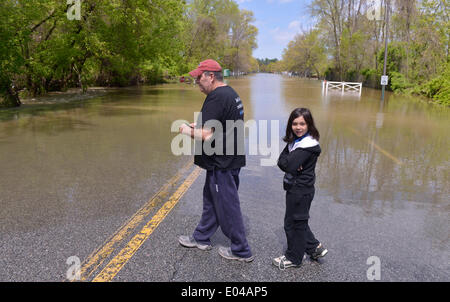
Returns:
<point x="392" y="151"/>
<point x="89" y="162"/>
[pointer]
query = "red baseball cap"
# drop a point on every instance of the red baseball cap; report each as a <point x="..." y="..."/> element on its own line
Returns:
<point x="207" y="65"/>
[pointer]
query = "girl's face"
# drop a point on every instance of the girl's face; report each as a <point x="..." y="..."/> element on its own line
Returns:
<point x="299" y="126"/>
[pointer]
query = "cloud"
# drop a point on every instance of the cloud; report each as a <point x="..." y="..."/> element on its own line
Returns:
<point x="294" y="25"/>
<point x="282" y="36"/>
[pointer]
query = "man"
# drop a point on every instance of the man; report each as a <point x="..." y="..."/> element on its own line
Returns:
<point x="221" y="205"/>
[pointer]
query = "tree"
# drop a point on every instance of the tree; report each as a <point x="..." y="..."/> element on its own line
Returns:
<point x="243" y="41"/>
<point x="331" y="13"/>
<point x="116" y="43"/>
<point x="218" y="29"/>
<point x="306" y="54"/>
<point x="419" y="34"/>
<point x="264" y="63"/>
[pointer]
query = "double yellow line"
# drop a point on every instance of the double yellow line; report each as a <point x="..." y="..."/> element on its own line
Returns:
<point x="98" y="257"/>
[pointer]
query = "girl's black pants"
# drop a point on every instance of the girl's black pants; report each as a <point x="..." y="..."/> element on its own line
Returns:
<point x="300" y="239"/>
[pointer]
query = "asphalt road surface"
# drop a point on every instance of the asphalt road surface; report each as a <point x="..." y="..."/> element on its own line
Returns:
<point x="362" y="247"/>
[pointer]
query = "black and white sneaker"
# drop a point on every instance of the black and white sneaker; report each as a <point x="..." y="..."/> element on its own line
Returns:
<point x="283" y="263"/>
<point x="187" y="241"/>
<point x="319" y="252"/>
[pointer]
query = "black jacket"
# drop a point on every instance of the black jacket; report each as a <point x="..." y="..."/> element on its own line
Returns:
<point x="299" y="165"/>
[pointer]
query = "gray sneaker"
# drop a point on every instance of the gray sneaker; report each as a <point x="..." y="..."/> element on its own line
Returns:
<point x="226" y="253"/>
<point x="187" y="241"/>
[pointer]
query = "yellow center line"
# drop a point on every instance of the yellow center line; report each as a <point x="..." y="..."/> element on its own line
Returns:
<point x="97" y="258"/>
<point x="384" y="152"/>
<point x="118" y="262"/>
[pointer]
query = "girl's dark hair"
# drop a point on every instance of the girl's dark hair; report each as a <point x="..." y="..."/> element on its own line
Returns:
<point x="307" y="116"/>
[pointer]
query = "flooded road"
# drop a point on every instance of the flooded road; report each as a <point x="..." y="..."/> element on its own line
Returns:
<point x="72" y="173"/>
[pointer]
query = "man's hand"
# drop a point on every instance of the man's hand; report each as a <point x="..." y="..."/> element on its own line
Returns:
<point x="200" y="134"/>
<point x="185" y="129"/>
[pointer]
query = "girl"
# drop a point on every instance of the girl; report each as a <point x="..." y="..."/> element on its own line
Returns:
<point x="298" y="160"/>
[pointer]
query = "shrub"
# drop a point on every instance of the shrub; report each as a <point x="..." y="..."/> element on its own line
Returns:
<point x="438" y="88"/>
<point x="398" y="82"/>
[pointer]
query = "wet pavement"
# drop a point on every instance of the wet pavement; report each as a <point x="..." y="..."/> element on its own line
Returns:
<point x="73" y="175"/>
<point x="349" y="233"/>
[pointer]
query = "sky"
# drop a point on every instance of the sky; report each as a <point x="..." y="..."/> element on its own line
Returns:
<point x="278" y="21"/>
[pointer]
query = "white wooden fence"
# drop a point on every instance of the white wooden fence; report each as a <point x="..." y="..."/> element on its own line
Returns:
<point x="342" y="86"/>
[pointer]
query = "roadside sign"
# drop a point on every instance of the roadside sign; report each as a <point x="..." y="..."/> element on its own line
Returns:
<point x="384" y="80"/>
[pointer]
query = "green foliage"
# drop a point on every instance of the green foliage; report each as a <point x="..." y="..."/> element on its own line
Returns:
<point x="116" y="42"/>
<point x="219" y="30"/>
<point x="267" y="65"/>
<point x="352" y="53"/>
<point x="353" y="46"/>
<point x="395" y="55"/>
<point x="438" y="88"/>
<point x="266" y="61"/>
<point x="306" y="54"/>
<point x="369" y="72"/>
<point x="398" y="82"/>
<point x="371" y="77"/>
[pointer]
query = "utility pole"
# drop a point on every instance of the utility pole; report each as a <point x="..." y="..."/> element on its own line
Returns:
<point x="384" y="77"/>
